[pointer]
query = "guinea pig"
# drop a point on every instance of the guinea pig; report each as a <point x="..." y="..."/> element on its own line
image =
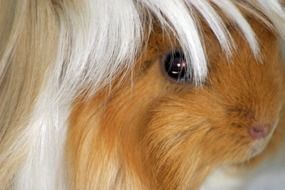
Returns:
<point x="158" y="130"/>
<point x="139" y="94"/>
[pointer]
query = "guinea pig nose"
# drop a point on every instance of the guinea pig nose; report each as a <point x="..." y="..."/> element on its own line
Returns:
<point x="259" y="131"/>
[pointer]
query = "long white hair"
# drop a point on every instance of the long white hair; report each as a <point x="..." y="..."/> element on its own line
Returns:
<point x="53" y="50"/>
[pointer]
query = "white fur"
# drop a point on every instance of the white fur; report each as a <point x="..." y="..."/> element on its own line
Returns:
<point x="99" y="38"/>
<point x="222" y="179"/>
<point x="268" y="175"/>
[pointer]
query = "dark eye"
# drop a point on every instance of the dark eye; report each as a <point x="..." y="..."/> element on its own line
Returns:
<point x="175" y="66"/>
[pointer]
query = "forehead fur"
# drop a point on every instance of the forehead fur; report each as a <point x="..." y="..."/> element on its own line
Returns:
<point x="184" y="19"/>
<point x="109" y="39"/>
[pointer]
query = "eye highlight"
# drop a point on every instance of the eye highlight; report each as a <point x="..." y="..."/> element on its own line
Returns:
<point x="176" y="67"/>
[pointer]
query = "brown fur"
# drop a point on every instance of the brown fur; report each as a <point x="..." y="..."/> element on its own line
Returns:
<point x="152" y="133"/>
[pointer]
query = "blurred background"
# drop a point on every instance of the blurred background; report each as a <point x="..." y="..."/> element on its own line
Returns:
<point x="271" y="176"/>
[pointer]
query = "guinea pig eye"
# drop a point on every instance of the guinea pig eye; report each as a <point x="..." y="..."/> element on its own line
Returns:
<point x="175" y="66"/>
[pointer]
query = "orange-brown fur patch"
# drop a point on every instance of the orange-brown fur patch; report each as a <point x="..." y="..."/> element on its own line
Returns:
<point x="152" y="133"/>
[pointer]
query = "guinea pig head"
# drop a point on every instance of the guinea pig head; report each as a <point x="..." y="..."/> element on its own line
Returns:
<point x="171" y="132"/>
<point x="230" y="119"/>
